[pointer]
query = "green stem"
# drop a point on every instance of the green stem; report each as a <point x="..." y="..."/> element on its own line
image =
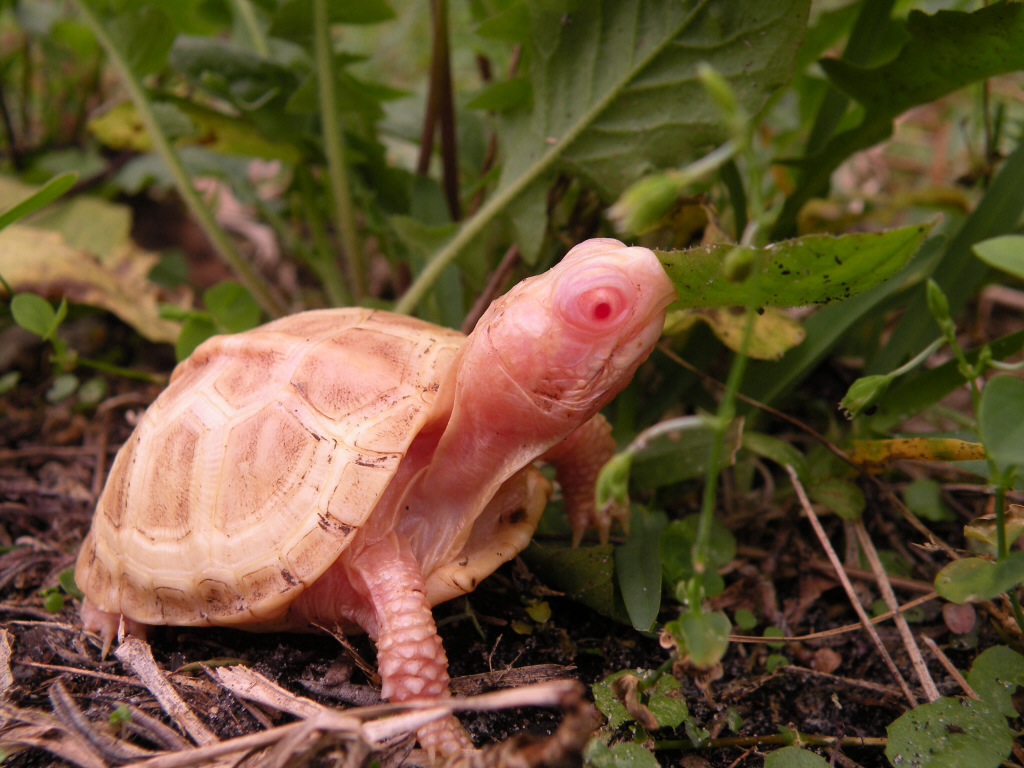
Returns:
<point x="244" y="13"/>
<point x="117" y="370"/>
<point x="334" y="147"/>
<point x="246" y="274"/>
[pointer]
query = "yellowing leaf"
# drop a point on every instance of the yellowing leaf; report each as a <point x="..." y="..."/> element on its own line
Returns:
<point x="43" y="262"/>
<point x="878" y="453"/>
<point x="774" y="332"/>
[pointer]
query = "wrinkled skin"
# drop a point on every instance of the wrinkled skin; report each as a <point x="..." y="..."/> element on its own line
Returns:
<point x="527" y="384"/>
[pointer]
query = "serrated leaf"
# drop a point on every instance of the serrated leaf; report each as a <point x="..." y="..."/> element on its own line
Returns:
<point x="638" y="567"/>
<point x="615" y="87"/>
<point x="996" y="675"/>
<point x="974" y="579"/>
<point x="1000" y="422"/>
<point x="949" y="733"/>
<point x="815" y="269"/>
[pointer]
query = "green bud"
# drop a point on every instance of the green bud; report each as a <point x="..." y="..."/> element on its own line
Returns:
<point x="722" y="94"/>
<point x="864" y="393"/>
<point x="613" y="482"/>
<point x="646" y="203"/>
<point x="938" y="305"/>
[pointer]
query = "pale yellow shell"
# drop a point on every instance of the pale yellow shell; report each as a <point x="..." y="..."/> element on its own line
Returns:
<point x="255" y="467"/>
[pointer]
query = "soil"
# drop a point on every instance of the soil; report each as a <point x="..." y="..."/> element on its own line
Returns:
<point x="53" y="459"/>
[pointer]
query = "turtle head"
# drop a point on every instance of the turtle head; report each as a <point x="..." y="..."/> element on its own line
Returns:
<point x="572" y="338"/>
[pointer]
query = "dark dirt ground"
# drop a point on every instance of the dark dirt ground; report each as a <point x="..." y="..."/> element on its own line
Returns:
<point x="53" y="458"/>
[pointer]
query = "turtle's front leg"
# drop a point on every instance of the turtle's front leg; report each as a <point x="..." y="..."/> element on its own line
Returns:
<point x="410" y="657"/>
<point x="577" y="461"/>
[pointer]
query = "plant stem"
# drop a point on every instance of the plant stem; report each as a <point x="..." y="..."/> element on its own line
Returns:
<point x="247" y="275"/>
<point x="334" y="148"/>
<point x="244" y="13"/>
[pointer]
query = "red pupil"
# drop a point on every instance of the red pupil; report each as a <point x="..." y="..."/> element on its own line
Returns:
<point x="602" y="311"/>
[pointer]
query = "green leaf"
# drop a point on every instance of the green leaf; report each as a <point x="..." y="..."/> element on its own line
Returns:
<point x="975" y="579"/>
<point x="144" y="35"/>
<point x="664" y="699"/>
<point x="677" y="544"/>
<point x="638" y="567"/>
<point x="996" y="675"/>
<point x="625" y="754"/>
<point x="63" y="387"/>
<point x="232" y="307"/>
<point x="1000" y="420"/>
<point x="844" y="497"/>
<point x="704" y="636"/>
<point x="585" y="574"/>
<point x="794" y="757"/>
<point x="503" y="95"/>
<point x="616" y="92"/>
<point x="294" y="18"/>
<point x="948" y="733"/>
<point x="1005" y="253"/>
<point x="924" y="499"/>
<point x="774" y="449"/>
<point x="815" y="269"/>
<point x="41" y="198"/>
<point x="35" y="314"/>
<point x="196" y="329"/>
<point x="945" y="52"/>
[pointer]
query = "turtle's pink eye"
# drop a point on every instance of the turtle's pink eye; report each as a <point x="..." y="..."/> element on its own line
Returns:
<point x="596" y="303"/>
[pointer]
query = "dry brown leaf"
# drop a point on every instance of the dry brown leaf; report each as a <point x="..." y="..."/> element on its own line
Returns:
<point x="44" y="262"/>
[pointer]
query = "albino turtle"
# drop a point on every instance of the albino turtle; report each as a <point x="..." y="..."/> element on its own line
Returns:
<point x="355" y="467"/>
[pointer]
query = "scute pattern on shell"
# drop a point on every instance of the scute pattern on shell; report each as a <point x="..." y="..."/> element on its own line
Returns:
<point x="258" y="464"/>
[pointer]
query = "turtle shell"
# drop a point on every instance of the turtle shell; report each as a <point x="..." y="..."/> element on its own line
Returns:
<point x="251" y="472"/>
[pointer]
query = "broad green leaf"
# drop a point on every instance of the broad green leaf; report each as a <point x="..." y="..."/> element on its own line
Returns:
<point x="585" y="574"/>
<point x="232" y="306"/>
<point x="815" y="269"/>
<point x="35" y="314"/>
<point x="638" y="567"/>
<point x="945" y="52"/>
<point x="949" y="733"/>
<point x="975" y="579"/>
<point x="41" y="198"/>
<point x="794" y="757"/>
<point x="501" y="96"/>
<point x="996" y="675"/>
<point x="705" y="636"/>
<point x="1004" y="253"/>
<point x="1001" y="420"/>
